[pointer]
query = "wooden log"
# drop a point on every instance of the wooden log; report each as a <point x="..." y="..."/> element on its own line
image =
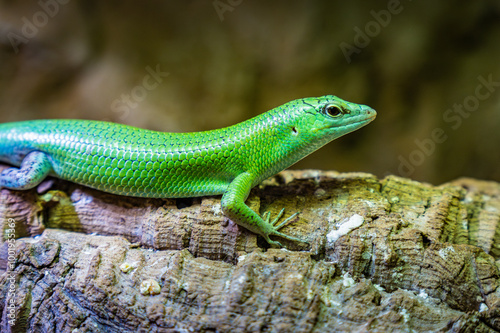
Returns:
<point x="383" y="255"/>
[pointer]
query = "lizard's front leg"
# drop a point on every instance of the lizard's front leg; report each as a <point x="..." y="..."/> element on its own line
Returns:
<point x="233" y="205"/>
<point x="34" y="168"/>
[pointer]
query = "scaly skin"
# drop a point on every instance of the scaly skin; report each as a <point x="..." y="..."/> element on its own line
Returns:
<point x="136" y="162"/>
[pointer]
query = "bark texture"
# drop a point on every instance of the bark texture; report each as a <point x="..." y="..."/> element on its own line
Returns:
<point x="384" y="255"/>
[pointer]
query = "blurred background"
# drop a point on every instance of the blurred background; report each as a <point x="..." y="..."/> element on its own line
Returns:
<point x="430" y="69"/>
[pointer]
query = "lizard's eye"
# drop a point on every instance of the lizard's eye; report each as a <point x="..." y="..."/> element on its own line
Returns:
<point x="333" y="111"/>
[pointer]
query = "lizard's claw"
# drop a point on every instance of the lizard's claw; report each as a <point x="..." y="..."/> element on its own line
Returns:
<point x="274" y="228"/>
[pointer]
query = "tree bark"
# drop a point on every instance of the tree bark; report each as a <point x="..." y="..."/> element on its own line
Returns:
<point x="382" y="255"/>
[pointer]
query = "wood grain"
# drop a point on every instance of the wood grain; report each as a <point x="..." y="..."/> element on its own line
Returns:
<point x="425" y="258"/>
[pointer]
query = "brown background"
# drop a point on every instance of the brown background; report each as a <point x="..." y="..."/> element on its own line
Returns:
<point x="230" y="60"/>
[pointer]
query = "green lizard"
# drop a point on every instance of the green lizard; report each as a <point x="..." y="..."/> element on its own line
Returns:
<point x="136" y="162"/>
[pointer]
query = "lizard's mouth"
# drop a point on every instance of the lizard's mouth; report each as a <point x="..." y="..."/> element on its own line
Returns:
<point x="362" y="121"/>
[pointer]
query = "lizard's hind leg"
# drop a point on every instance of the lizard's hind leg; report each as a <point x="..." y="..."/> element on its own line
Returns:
<point x="34" y="168"/>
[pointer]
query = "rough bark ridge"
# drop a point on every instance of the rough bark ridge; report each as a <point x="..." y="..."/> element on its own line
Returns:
<point x="383" y="255"/>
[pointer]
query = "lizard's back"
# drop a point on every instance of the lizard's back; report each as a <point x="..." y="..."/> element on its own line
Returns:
<point x="123" y="159"/>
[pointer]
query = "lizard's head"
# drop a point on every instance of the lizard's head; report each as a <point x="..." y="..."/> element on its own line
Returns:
<point x="310" y="123"/>
<point x="294" y="130"/>
<point x="330" y="117"/>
